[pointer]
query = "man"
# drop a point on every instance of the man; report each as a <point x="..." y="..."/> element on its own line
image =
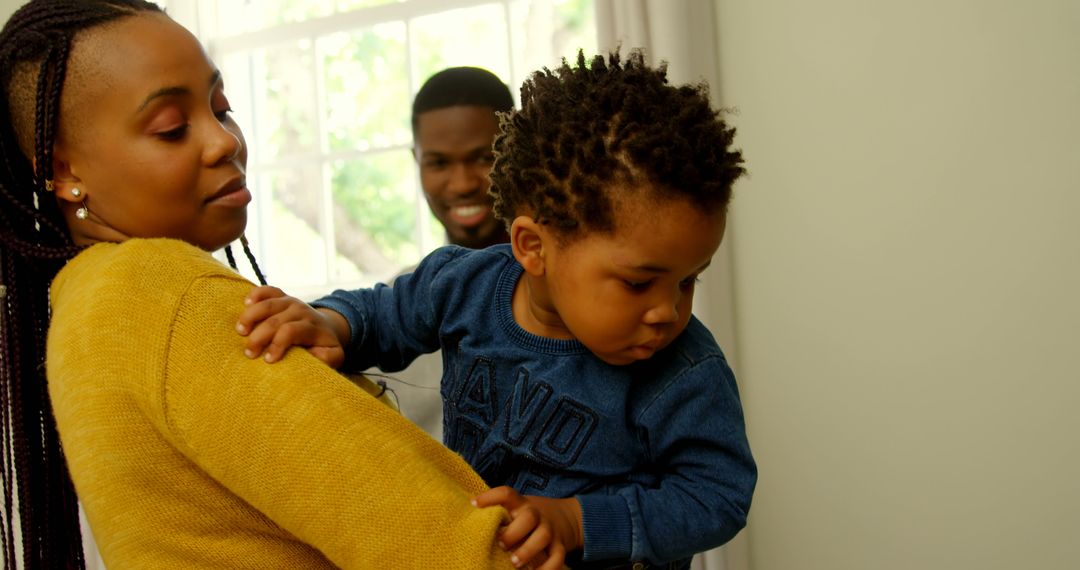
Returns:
<point x="454" y="125"/>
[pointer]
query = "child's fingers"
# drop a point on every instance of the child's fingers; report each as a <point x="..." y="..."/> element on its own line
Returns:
<point x="262" y="321"/>
<point x="556" y="558"/>
<point x="287" y="335"/>
<point x="258" y="339"/>
<point x="262" y="293"/>
<point x="505" y="496"/>
<point x="534" y="545"/>
<point x="524" y="521"/>
<point x="299" y="333"/>
<point x="256" y="313"/>
<point x="333" y="356"/>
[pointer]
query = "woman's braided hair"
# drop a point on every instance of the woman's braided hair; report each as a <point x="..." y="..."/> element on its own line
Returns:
<point x="590" y="134"/>
<point x="34" y="242"/>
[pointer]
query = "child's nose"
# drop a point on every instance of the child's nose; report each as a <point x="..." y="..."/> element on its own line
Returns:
<point x="663" y="312"/>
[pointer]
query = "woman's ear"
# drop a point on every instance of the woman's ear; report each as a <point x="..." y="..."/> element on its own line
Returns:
<point x="527" y="241"/>
<point x="66" y="185"/>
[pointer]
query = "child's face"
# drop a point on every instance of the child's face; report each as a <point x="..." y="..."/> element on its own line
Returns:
<point x="147" y="138"/>
<point x="629" y="294"/>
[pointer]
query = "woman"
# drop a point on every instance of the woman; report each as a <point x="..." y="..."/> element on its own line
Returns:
<point x="116" y="134"/>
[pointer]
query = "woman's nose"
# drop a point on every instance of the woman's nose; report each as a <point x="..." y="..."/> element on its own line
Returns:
<point x="225" y="146"/>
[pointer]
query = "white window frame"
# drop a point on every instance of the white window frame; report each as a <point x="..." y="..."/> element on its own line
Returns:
<point x="199" y="17"/>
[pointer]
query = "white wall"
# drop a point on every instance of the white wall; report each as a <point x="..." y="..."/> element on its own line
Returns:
<point x="8" y="7"/>
<point x="907" y="280"/>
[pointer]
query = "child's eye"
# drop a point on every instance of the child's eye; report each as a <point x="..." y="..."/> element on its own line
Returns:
<point x="689" y="282"/>
<point x="636" y="285"/>
<point x="173" y="134"/>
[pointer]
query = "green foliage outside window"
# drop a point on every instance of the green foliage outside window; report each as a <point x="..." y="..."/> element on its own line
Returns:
<point x="330" y="119"/>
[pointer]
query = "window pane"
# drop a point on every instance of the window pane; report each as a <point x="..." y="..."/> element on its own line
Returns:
<point x="283" y="85"/>
<point x="252" y="15"/>
<point x="291" y="227"/>
<point x="376" y="213"/>
<point x="236" y="72"/>
<point x="367" y="91"/>
<point x="550" y="30"/>
<point x="326" y="111"/>
<point x="346" y="5"/>
<point x="468" y="36"/>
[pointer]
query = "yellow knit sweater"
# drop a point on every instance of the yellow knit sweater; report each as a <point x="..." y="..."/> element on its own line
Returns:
<point x="186" y="454"/>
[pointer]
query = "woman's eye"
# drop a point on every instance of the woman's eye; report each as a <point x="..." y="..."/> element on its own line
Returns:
<point x="173" y="134"/>
<point x="223" y="114"/>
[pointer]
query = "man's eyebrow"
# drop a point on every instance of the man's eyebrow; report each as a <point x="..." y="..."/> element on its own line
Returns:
<point x="215" y="77"/>
<point x="468" y="155"/>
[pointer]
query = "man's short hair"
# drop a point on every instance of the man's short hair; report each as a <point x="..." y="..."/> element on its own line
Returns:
<point x="461" y="86"/>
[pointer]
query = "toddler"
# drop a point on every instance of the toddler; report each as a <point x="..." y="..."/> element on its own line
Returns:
<point x="576" y="381"/>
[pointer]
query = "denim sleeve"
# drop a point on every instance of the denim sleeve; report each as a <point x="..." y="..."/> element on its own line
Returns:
<point x="390" y="326"/>
<point x="695" y="435"/>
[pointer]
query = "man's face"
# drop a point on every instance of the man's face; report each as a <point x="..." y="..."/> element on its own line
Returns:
<point x="453" y="149"/>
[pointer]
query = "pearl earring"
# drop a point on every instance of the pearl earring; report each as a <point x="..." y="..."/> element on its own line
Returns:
<point x="82" y="212"/>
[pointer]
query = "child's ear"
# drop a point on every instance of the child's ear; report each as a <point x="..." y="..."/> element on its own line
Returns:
<point x="527" y="240"/>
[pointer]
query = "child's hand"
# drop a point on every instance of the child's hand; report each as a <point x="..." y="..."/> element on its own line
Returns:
<point x="272" y="322"/>
<point x="536" y="524"/>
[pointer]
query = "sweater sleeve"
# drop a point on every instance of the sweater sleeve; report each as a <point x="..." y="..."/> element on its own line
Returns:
<point x="390" y="326"/>
<point x="694" y="433"/>
<point x="317" y="455"/>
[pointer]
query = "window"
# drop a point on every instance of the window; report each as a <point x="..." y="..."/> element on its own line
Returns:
<point x="323" y="91"/>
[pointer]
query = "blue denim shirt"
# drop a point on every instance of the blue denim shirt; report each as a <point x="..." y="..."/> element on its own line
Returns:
<point x="656" y="451"/>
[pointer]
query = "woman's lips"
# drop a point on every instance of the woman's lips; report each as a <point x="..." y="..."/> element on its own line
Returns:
<point x="234" y="194"/>
<point x="236" y="199"/>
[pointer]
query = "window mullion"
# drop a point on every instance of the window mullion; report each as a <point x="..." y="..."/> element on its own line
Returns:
<point x="510" y="41"/>
<point x="421" y="229"/>
<point x="264" y="193"/>
<point x="326" y="213"/>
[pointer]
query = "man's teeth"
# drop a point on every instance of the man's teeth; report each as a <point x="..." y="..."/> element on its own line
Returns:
<point x="466" y="211"/>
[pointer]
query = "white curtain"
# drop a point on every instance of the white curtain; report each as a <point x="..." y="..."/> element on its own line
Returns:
<point x="683" y="34"/>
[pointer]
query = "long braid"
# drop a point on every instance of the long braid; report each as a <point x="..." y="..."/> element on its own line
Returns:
<point x="250" y="257"/>
<point x="34" y="244"/>
<point x="230" y="257"/>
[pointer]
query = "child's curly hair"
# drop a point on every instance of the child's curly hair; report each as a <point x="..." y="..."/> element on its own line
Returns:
<point x="588" y="133"/>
